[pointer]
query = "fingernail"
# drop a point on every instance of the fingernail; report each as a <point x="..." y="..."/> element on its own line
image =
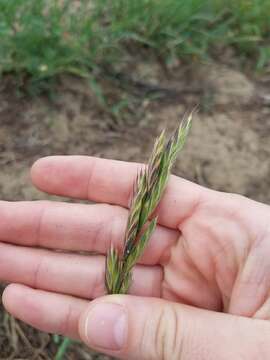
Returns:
<point x="106" y="326"/>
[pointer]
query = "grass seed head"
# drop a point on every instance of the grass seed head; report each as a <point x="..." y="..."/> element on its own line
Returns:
<point x="148" y="189"/>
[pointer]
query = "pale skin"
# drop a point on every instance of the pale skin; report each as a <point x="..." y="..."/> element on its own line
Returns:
<point x="201" y="290"/>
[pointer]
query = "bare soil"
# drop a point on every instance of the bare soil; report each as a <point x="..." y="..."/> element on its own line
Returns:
<point x="228" y="148"/>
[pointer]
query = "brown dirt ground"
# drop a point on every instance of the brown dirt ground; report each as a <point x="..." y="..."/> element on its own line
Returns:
<point x="228" y="148"/>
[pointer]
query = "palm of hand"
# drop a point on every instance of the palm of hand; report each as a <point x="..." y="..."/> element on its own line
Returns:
<point x="209" y="250"/>
<point x="220" y="261"/>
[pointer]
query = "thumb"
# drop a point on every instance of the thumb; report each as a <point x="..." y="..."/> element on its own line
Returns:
<point x="130" y="327"/>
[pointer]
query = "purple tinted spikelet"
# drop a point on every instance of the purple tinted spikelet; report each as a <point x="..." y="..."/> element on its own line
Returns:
<point x="148" y="189"/>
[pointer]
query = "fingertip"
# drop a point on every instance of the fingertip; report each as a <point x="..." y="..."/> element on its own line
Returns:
<point x="102" y="326"/>
<point x="10" y="296"/>
<point x="60" y="175"/>
<point x="44" y="171"/>
<point x="39" y="167"/>
<point x="115" y="325"/>
<point x="84" y="315"/>
<point x="5" y="297"/>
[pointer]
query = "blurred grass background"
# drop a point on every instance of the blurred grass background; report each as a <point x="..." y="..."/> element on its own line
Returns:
<point x="41" y="39"/>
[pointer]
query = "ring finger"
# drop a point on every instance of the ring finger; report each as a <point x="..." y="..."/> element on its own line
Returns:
<point x="73" y="274"/>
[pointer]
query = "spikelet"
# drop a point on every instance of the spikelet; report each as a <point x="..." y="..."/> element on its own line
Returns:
<point x="148" y="189"/>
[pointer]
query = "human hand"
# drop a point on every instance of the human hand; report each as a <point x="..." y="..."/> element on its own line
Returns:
<point x="209" y="253"/>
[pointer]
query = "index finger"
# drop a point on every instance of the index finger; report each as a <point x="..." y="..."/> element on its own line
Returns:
<point x="111" y="181"/>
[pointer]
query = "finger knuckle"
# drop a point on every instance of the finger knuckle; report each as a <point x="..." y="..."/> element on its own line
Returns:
<point x="168" y="340"/>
